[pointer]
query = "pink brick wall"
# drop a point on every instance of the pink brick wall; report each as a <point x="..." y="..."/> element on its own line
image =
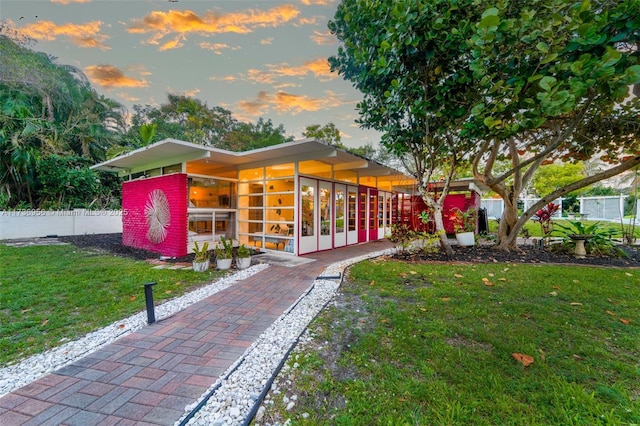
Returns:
<point x="155" y="214"/>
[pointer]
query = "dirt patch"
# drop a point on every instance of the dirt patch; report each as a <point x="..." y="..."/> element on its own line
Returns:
<point x="112" y="244"/>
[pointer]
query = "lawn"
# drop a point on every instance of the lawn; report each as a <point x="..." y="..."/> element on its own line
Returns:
<point x="52" y="294"/>
<point x="446" y="344"/>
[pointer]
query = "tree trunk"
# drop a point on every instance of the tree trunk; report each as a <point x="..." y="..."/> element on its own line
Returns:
<point x="444" y="241"/>
<point x="507" y="230"/>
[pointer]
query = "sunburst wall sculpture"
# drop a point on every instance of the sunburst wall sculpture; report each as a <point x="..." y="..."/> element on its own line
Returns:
<point x="158" y="215"/>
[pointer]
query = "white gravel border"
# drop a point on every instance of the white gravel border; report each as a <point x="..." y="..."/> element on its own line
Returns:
<point x="235" y="393"/>
<point x="30" y="369"/>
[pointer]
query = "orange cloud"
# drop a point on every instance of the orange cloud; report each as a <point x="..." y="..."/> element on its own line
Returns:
<point x="110" y="77"/>
<point x="308" y="20"/>
<point x="284" y="102"/>
<point x="318" y="67"/>
<point x="323" y="39"/>
<point x="217" y="48"/>
<point x="70" y="1"/>
<point x="172" y="44"/>
<point x="256" y="107"/>
<point x="82" y="35"/>
<point x="127" y="97"/>
<point x="188" y="93"/>
<point x="317" y="2"/>
<point x="160" y="24"/>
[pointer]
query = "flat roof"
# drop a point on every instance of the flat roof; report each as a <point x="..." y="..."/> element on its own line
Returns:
<point x="172" y="151"/>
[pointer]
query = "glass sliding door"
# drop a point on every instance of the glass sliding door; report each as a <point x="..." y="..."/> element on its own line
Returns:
<point x="325" y="240"/>
<point x="372" y="214"/>
<point x="340" y="228"/>
<point x="352" y="215"/>
<point x="308" y="222"/>
<point x="363" y="201"/>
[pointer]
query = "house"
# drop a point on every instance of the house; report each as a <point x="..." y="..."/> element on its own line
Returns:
<point x="298" y="197"/>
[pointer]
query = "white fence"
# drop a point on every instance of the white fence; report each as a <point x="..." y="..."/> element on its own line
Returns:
<point x="593" y="208"/>
<point x="17" y="224"/>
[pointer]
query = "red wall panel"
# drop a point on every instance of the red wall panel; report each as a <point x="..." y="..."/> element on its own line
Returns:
<point x="155" y="214"/>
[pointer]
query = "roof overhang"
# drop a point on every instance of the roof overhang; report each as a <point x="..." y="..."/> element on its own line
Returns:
<point x="159" y="154"/>
<point x="172" y="151"/>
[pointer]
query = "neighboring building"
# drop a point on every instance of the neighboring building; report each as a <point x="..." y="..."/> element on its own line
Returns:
<point x="297" y="197"/>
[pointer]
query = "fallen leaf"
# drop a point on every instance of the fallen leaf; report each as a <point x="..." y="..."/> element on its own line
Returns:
<point x="44" y="322"/>
<point x="488" y="283"/>
<point x="121" y="326"/>
<point x="576" y="281"/>
<point x="611" y="313"/>
<point x="372" y="282"/>
<point x="556" y="287"/>
<point x="628" y="274"/>
<point x="24" y="311"/>
<point x="458" y="276"/>
<point x="542" y="354"/>
<point x="485" y="279"/>
<point x="502" y="279"/>
<point x="412" y="272"/>
<point x="491" y="274"/>
<point x="423" y="309"/>
<point x="625" y="321"/>
<point x="523" y="359"/>
<point x="576" y="304"/>
<point x="446" y="299"/>
<point x="384" y="320"/>
<point x="169" y="291"/>
<point x="403" y="275"/>
<point x="132" y="298"/>
<point x="554" y="293"/>
<point x="505" y="269"/>
<point x="577" y="357"/>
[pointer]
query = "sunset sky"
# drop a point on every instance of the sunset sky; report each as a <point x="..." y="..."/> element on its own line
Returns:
<point x="255" y="58"/>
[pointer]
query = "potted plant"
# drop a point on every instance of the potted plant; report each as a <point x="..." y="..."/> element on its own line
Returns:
<point x="464" y="225"/>
<point x="201" y="261"/>
<point x="224" y="254"/>
<point x="244" y="257"/>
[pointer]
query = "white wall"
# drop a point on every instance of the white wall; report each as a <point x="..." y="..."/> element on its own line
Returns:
<point x="40" y="223"/>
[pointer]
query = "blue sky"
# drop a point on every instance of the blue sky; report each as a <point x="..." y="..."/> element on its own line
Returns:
<point x="255" y="58"/>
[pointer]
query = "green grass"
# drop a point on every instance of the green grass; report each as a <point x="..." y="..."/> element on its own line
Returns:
<point x="52" y="294"/>
<point x="433" y="344"/>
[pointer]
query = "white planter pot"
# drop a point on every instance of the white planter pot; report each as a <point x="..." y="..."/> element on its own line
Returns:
<point x="243" y="262"/>
<point x="223" y="263"/>
<point x="466" y="239"/>
<point x="201" y="266"/>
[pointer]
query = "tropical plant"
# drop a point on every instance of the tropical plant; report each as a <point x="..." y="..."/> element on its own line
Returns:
<point x="47" y="109"/>
<point x="202" y="254"/>
<point x="463" y="221"/>
<point x="598" y="239"/>
<point x="544" y="216"/>
<point x="224" y="249"/>
<point x="243" y="251"/>
<point x="401" y="236"/>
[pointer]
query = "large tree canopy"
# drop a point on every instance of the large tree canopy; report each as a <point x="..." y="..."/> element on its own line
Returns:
<point x="481" y="82"/>
<point x="48" y="110"/>
<point x="190" y="119"/>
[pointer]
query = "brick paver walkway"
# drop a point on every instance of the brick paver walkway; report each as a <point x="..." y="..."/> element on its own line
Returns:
<point x="150" y="376"/>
